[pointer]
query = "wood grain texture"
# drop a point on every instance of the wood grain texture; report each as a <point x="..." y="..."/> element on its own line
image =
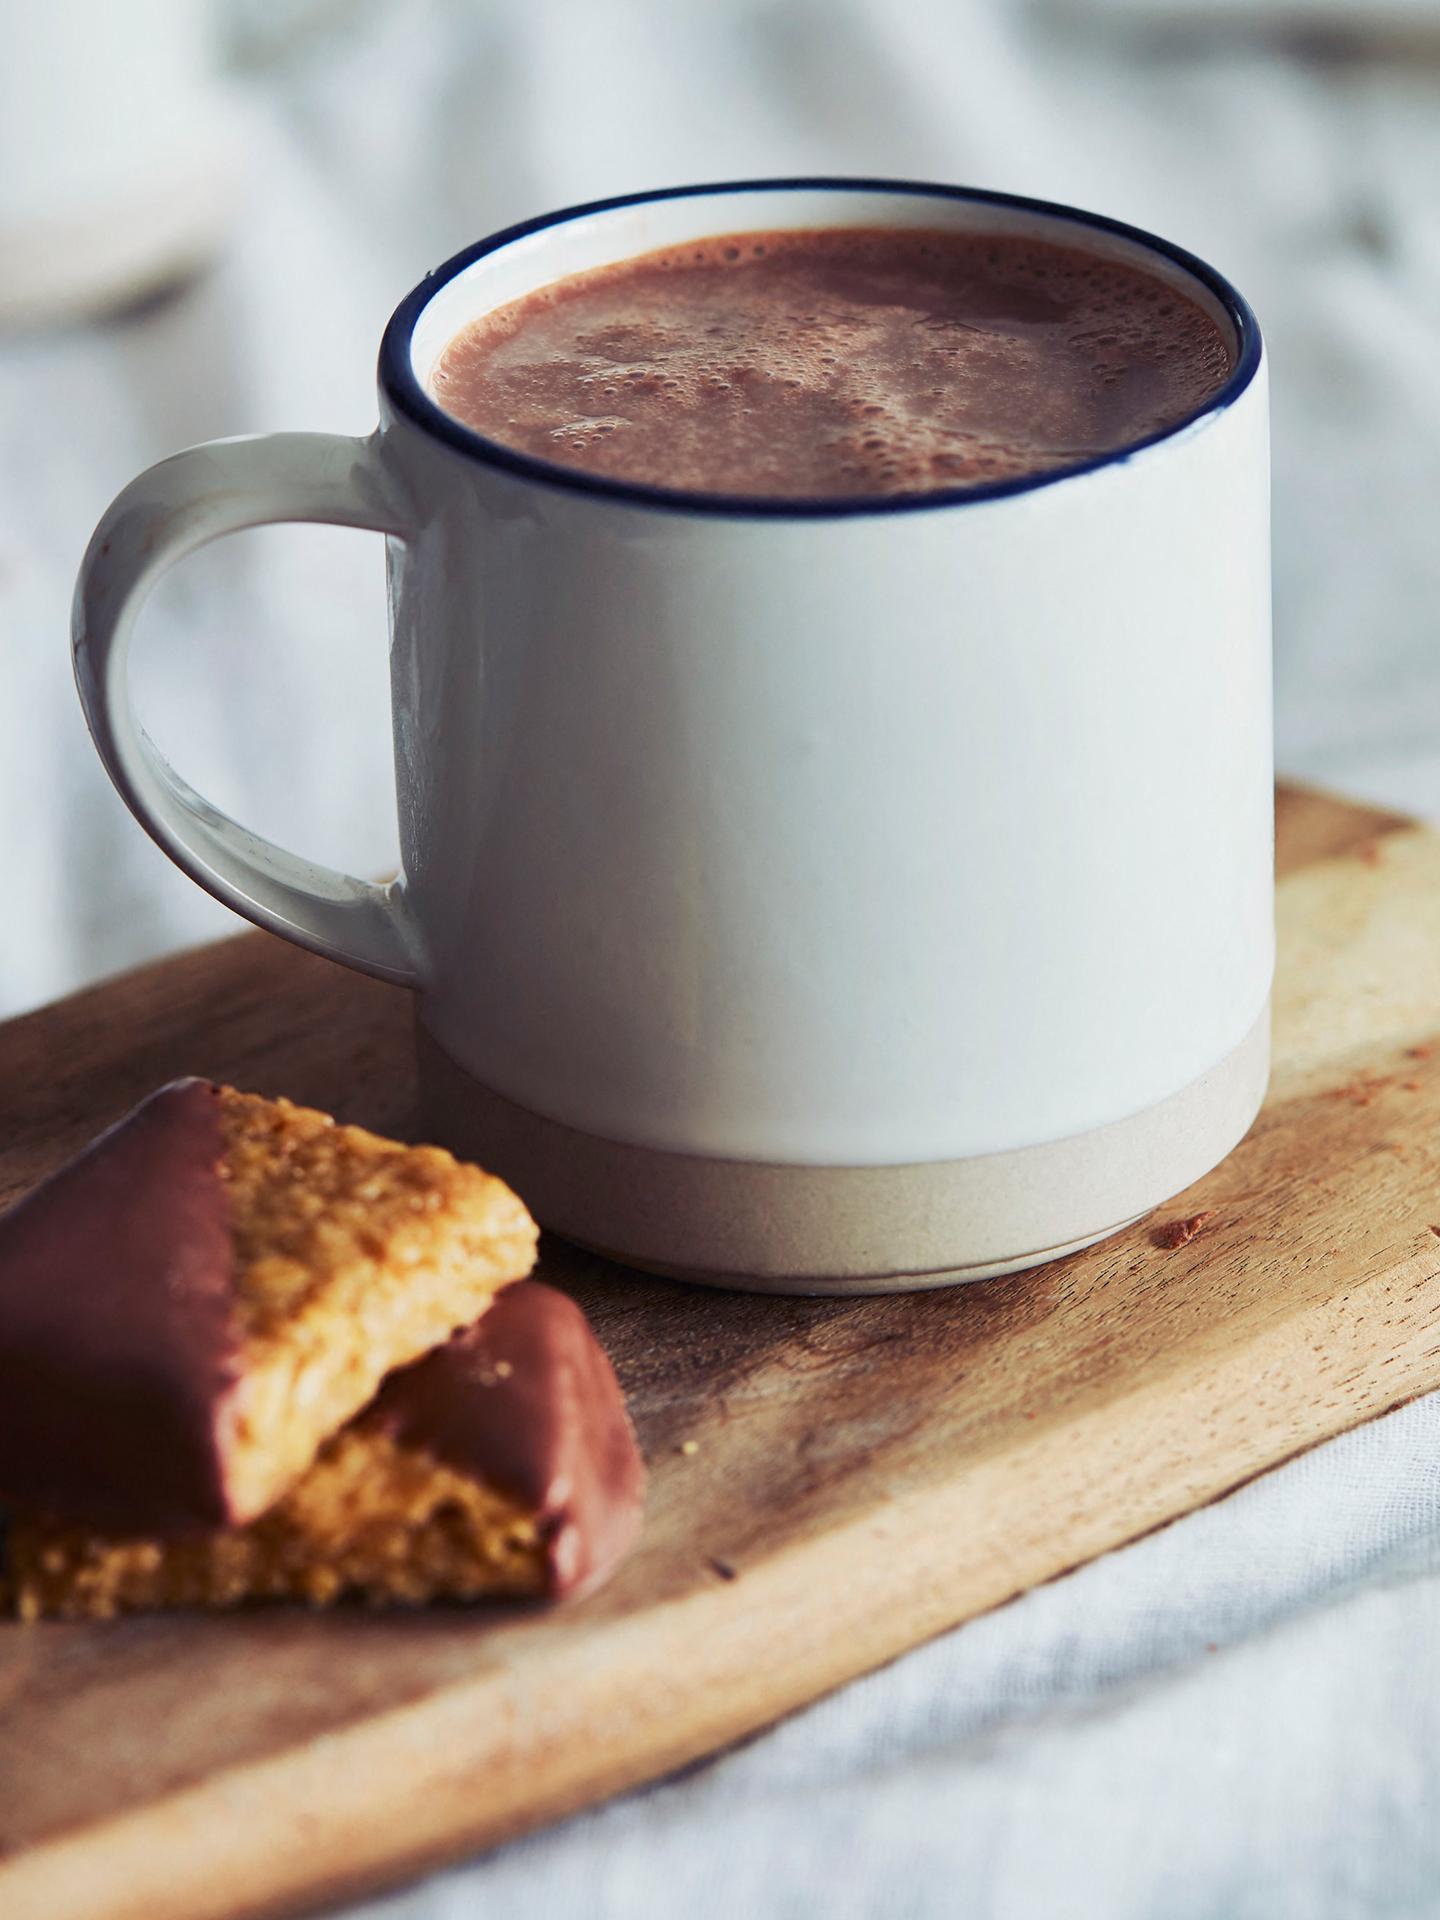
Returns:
<point x="866" y="1473"/>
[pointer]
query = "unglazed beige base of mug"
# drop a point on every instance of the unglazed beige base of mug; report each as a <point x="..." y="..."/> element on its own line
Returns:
<point x="773" y="1228"/>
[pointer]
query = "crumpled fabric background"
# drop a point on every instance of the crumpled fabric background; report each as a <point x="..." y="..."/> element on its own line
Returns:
<point x="1238" y="1716"/>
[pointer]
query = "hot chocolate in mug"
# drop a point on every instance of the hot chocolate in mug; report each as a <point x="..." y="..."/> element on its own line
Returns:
<point x="823" y="896"/>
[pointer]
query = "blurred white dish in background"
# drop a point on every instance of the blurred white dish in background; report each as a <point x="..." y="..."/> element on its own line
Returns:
<point x="116" y="146"/>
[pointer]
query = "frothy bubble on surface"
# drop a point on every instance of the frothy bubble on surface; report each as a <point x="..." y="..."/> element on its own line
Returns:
<point x="838" y="363"/>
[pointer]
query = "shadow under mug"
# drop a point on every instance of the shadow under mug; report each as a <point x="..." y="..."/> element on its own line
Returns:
<point x="823" y="896"/>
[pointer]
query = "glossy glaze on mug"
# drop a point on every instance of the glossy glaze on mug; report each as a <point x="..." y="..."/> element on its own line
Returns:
<point x="803" y="837"/>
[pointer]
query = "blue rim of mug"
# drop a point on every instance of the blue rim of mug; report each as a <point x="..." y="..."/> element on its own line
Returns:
<point x="399" y="384"/>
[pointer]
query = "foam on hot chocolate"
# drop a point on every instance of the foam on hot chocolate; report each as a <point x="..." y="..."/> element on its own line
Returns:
<point x="837" y="363"/>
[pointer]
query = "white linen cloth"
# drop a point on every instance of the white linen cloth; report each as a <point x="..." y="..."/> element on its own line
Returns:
<point x="1238" y="1716"/>
<point x="1235" y="1719"/>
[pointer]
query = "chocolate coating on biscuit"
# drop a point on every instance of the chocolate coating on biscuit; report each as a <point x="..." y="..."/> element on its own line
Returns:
<point x="117" y="1342"/>
<point x="527" y="1401"/>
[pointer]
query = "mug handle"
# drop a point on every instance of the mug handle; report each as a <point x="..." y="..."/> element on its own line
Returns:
<point x="164" y="514"/>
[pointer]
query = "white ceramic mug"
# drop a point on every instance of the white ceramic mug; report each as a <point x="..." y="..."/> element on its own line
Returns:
<point x="823" y="896"/>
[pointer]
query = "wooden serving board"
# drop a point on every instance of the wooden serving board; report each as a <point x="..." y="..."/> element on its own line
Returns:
<point x="864" y="1473"/>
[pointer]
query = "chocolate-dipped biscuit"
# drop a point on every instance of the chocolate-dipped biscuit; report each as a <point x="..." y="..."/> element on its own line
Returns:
<point x="119" y="1353"/>
<point x="503" y="1463"/>
<point x="195" y="1304"/>
<point x="527" y="1401"/>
